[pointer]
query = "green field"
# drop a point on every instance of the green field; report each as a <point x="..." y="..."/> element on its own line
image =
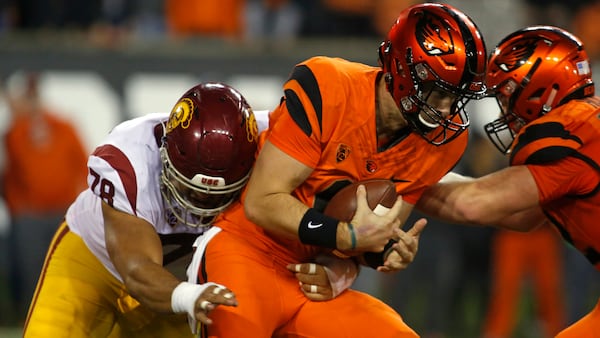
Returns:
<point x="10" y="332"/>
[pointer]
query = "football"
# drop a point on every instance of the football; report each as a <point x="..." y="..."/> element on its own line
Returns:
<point x="381" y="196"/>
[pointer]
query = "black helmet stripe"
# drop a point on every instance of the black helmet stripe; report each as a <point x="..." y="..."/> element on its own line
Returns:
<point x="470" y="71"/>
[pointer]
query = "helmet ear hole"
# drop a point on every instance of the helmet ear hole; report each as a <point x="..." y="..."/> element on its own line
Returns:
<point x="537" y="94"/>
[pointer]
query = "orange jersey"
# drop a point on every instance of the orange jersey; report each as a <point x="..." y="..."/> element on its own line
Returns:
<point x="43" y="176"/>
<point x="554" y="147"/>
<point x="327" y="122"/>
<point x="192" y="17"/>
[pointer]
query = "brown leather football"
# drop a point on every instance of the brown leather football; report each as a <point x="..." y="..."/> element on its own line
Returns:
<point x="381" y="196"/>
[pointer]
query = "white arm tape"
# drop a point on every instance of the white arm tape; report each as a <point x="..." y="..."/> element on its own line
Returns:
<point x="184" y="296"/>
<point x="452" y="177"/>
<point x="341" y="272"/>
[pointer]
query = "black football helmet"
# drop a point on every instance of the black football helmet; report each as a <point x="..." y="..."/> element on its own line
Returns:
<point x="207" y="151"/>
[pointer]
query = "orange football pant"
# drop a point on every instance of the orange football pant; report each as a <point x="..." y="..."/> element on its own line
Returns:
<point x="516" y="256"/>
<point x="588" y="326"/>
<point x="271" y="303"/>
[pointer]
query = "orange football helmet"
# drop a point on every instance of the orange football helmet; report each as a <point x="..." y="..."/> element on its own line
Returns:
<point x="434" y="46"/>
<point x="532" y="71"/>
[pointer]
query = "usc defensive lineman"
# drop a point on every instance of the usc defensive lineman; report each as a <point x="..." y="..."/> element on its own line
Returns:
<point x="156" y="180"/>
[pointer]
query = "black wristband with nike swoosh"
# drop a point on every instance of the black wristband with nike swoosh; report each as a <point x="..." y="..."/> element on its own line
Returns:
<point x="319" y="229"/>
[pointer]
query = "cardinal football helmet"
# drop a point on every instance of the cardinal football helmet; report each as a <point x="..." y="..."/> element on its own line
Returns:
<point x="434" y="46"/>
<point x="207" y="152"/>
<point x="532" y="71"/>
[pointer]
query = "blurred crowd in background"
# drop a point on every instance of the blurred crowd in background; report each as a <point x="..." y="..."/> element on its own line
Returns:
<point x="111" y="21"/>
<point x="465" y="282"/>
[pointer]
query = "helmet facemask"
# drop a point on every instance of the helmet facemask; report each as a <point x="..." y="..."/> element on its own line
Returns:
<point x="434" y="125"/>
<point x="191" y="202"/>
<point x="503" y="130"/>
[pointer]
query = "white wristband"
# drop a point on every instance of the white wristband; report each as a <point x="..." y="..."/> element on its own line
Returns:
<point x="184" y="296"/>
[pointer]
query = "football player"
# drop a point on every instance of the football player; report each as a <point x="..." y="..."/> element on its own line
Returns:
<point x="341" y="122"/>
<point x="550" y="127"/>
<point x="158" y="180"/>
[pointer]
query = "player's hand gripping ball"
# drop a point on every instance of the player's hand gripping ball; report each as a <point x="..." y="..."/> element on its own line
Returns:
<point x="381" y="196"/>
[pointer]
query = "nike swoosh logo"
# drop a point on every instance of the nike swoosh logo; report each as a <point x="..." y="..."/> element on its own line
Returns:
<point x="396" y="180"/>
<point x="311" y="225"/>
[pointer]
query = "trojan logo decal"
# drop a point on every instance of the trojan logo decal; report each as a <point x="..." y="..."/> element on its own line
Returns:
<point x="251" y="128"/>
<point x="171" y="219"/>
<point x="433" y="35"/>
<point x="181" y="115"/>
<point x="512" y="58"/>
<point x="343" y="151"/>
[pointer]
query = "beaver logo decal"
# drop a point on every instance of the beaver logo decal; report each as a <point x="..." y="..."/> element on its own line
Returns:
<point x="515" y="57"/>
<point x="433" y="35"/>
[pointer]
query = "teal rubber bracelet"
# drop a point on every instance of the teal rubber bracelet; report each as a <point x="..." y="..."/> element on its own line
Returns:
<point x="352" y="236"/>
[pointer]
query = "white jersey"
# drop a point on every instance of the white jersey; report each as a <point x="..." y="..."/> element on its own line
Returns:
<point x="125" y="169"/>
